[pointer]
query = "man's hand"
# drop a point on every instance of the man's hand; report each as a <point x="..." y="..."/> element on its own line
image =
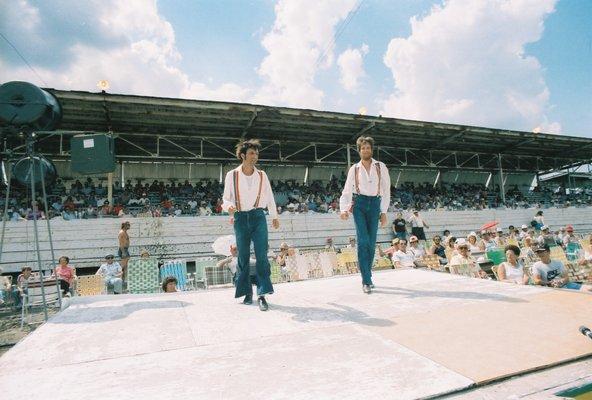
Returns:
<point x="344" y="215"/>
<point x="275" y="223"/>
<point x="231" y="211"/>
<point x="383" y="220"/>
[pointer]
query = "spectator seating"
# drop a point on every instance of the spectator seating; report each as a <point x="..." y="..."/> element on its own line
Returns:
<point x="33" y="298"/>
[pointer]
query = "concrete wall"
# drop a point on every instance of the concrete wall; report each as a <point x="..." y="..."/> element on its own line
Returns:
<point x="87" y="241"/>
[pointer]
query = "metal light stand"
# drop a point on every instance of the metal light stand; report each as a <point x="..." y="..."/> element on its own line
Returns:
<point x="30" y="154"/>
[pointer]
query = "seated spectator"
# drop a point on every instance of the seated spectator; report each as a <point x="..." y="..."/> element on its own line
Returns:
<point x="547" y="272"/>
<point x="231" y="262"/>
<point x="569" y="236"/>
<point x="169" y="285"/>
<point x="22" y="282"/>
<point x="499" y="239"/>
<point x="523" y="232"/>
<point x="546" y="237"/>
<point x="66" y="275"/>
<point x="585" y="256"/>
<point x="281" y="257"/>
<point x="112" y="274"/>
<point x="329" y="246"/>
<point x="403" y="258"/>
<point x="144" y="253"/>
<point x="351" y="243"/>
<point x="512" y="270"/>
<point x="527" y="253"/>
<point x="472" y="242"/>
<point x="451" y="246"/>
<point x="486" y="243"/>
<point x="391" y="250"/>
<point x="462" y="257"/>
<point x="415" y="249"/>
<point x="437" y="248"/>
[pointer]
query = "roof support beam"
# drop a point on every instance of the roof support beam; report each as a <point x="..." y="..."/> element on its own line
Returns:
<point x="135" y="145"/>
<point x="249" y="124"/>
<point x="179" y="146"/>
<point x="365" y="129"/>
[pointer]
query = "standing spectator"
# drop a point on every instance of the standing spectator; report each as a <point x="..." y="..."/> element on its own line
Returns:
<point x="538" y="221"/>
<point x="124" y="244"/>
<point x="66" y="275"/>
<point x="111" y="272"/>
<point x="400" y="226"/>
<point x="417" y="224"/>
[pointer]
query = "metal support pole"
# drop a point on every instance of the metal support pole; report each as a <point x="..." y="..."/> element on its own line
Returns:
<point x="5" y="216"/>
<point x="110" y="188"/>
<point x="122" y="174"/>
<point x="35" y="228"/>
<point x="49" y="235"/>
<point x="501" y="178"/>
<point x="348" y="156"/>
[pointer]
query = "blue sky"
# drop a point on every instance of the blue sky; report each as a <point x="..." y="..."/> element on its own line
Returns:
<point x="509" y="64"/>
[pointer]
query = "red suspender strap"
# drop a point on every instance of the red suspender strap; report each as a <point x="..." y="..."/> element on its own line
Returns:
<point x="357" y="180"/>
<point x="236" y="192"/>
<point x="259" y="192"/>
<point x="378" y="172"/>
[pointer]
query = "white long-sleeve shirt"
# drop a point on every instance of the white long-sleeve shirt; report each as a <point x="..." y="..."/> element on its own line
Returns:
<point x="248" y="187"/>
<point x="368" y="184"/>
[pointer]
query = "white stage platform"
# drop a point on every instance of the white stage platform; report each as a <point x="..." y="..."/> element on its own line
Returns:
<point x="420" y="334"/>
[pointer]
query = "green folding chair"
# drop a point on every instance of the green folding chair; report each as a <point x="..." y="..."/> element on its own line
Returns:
<point x="142" y="275"/>
<point x="496" y="256"/>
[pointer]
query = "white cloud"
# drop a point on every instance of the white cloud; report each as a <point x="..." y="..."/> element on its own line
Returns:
<point x="464" y="63"/>
<point x="351" y="67"/>
<point x="302" y="32"/>
<point x="131" y="46"/>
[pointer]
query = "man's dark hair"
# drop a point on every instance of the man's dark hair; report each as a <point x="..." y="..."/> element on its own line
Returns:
<point x="513" y="248"/>
<point x="243" y="146"/>
<point x="364" y="140"/>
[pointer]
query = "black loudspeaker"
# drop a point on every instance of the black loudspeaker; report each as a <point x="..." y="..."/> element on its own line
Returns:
<point x="92" y="153"/>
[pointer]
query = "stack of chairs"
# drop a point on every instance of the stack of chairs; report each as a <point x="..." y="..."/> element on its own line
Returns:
<point x="200" y="270"/>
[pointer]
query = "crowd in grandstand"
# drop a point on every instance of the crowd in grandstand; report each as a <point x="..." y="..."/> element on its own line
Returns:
<point x="85" y="199"/>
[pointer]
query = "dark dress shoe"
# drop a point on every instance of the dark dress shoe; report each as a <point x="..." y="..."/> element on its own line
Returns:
<point x="248" y="299"/>
<point x="263" y="306"/>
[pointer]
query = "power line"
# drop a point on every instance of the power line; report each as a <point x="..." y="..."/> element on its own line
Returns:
<point x="338" y="34"/>
<point x="23" y="58"/>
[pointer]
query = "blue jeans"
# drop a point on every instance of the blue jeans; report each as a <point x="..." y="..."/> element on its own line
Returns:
<point x="252" y="226"/>
<point x="366" y="212"/>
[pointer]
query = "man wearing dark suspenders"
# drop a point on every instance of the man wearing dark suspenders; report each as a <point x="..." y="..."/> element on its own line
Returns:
<point x="366" y="195"/>
<point x="247" y="192"/>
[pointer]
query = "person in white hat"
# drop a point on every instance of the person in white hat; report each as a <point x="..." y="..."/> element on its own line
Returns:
<point x="523" y="231"/>
<point x="472" y="242"/>
<point x="415" y="249"/>
<point x="499" y="239"/>
<point x="546" y="237"/>
<point x="463" y="257"/>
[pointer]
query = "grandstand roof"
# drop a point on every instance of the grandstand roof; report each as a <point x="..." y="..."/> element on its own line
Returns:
<point x="167" y="129"/>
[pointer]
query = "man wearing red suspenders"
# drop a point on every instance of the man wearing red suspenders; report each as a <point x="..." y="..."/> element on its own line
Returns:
<point x="366" y="195"/>
<point x="247" y="192"/>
